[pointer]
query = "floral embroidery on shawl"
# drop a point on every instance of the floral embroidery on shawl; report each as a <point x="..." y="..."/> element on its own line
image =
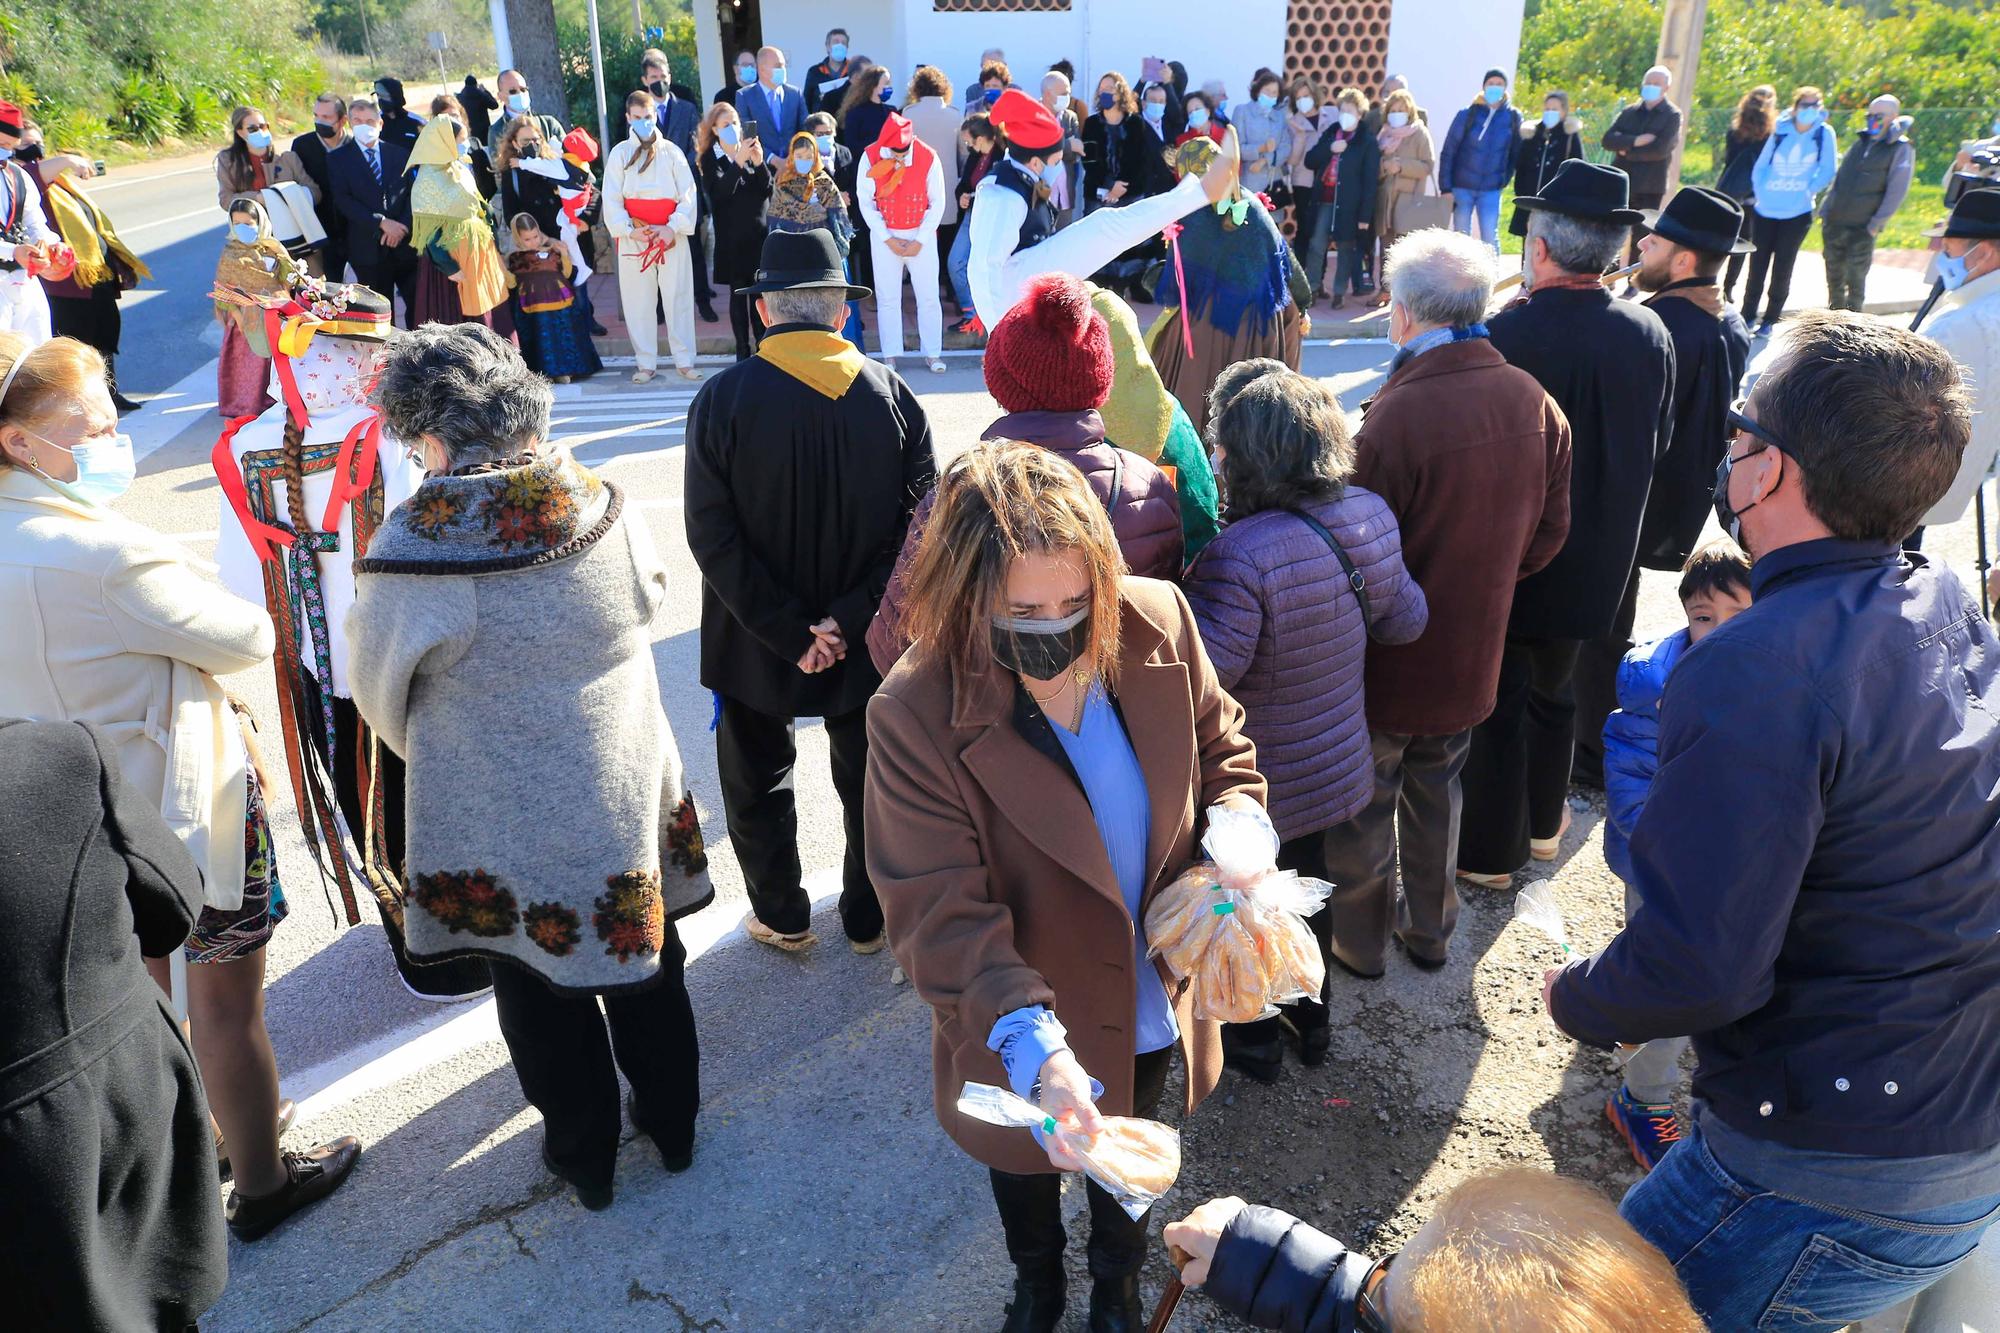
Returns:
<point x="685" y="847"/>
<point x="467" y="900"/>
<point x="552" y="926"/>
<point x="631" y="918"/>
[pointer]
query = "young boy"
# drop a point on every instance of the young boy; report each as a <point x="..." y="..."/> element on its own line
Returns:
<point x="1509" y="1251"/>
<point x="1715" y="585"/>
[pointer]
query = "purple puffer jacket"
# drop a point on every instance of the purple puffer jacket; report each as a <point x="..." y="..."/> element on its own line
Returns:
<point x="1284" y="629"/>
<point x="1145" y="512"/>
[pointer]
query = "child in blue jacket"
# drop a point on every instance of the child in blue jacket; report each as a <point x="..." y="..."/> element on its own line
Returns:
<point x="1715" y="585"/>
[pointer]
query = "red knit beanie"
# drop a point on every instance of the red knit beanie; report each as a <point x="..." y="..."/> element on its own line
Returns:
<point x="1052" y="351"/>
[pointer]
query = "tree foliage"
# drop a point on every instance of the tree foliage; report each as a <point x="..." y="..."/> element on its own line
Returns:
<point x="622" y="49"/>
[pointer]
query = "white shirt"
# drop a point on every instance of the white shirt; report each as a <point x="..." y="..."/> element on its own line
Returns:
<point x="926" y="228"/>
<point x="668" y="176"/>
<point x="34" y="224"/>
<point x="1970" y="330"/>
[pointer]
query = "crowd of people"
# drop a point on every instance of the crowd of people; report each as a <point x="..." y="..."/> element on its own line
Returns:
<point x="1172" y="579"/>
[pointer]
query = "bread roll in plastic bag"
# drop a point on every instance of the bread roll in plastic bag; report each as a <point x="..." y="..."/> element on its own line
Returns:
<point x="1234" y="927"/>
<point x="1135" y="1161"/>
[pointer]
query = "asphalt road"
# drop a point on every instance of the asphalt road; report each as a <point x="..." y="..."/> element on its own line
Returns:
<point x="823" y="1195"/>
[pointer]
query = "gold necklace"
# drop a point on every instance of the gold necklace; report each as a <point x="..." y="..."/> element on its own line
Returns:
<point x="1077" y="678"/>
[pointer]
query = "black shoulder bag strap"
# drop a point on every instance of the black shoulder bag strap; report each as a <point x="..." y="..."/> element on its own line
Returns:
<point x="1355" y="580"/>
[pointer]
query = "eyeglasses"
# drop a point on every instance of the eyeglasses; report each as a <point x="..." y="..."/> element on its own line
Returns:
<point x="1742" y="425"/>
<point x="252" y="129"/>
<point x="1368" y="1316"/>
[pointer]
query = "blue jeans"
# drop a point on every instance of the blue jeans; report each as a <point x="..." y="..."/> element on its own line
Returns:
<point x="1754" y="1259"/>
<point x="959" y="263"/>
<point x="1486" y="204"/>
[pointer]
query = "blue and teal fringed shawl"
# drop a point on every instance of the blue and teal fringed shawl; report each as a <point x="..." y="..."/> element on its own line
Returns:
<point x="1232" y="272"/>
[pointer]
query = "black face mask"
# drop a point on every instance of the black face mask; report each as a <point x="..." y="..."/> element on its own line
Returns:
<point x="28" y="152"/>
<point x="658" y="87"/>
<point x="1043" y="649"/>
<point x="1730" y="519"/>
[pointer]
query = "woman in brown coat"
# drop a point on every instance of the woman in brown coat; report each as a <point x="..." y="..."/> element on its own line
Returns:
<point x="1409" y="169"/>
<point x="1039" y="766"/>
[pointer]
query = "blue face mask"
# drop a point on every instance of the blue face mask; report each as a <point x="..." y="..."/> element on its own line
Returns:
<point x="517" y="102"/>
<point x="802" y="163"/>
<point x="1650" y="93"/>
<point x="104" y="468"/>
<point x="1951" y="270"/>
<point x="746" y="75"/>
<point x="1806" y="117"/>
<point x="886" y="92"/>
<point x="243" y="232"/>
<point x="1552" y="118"/>
<point x="1105" y="101"/>
<point x="646" y="128"/>
<point x="837" y="52"/>
<point x="1052" y="172"/>
<point x="6" y="153"/>
<point x="1267" y="100"/>
<point x="258" y="139"/>
<point x="778" y="77"/>
<point x="991" y="95"/>
<point x="1198" y="118"/>
<point x="729" y="134"/>
<point x="1156" y="111"/>
<point x="825" y="142"/>
<point x="1494" y="95"/>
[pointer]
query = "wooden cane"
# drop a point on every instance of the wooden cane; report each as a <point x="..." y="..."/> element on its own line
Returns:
<point x="1170" y="1299"/>
<point x="1508" y="284"/>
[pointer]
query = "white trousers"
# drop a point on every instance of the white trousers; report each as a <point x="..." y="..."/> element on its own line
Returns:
<point x="24" y="308"/>
<point x="923" y="270"/>
<point x="671" y="283"/>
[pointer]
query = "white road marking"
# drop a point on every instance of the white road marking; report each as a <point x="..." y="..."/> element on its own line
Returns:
<point x="178" y="217"/>
<point x="102" y="183"/>
<point x="167" y="414"/>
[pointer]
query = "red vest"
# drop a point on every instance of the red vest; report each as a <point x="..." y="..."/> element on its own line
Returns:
<point x="904" y="210"/>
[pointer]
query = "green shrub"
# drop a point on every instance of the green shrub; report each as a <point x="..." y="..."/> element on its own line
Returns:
<point x="622" y="49"/>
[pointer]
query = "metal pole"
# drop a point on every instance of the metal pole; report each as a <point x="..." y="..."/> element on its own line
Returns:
<point x="503" y="37"/>
<point x="597" y="79"/>
<point x="1681" y="24"/>
<point x="638" y="18"/>
<point x="367" y="40"/>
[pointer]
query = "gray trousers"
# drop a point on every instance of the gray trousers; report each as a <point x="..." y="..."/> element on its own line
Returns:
<point x="1653" y="1072"/>
<point x="1411" y="818"/>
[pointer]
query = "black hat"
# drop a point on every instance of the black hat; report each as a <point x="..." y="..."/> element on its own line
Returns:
<point x="1701" y="219"/>
<point x="1581" y="189"/>
<point x="1975" y="215"/>
<point x="795" y="261"/>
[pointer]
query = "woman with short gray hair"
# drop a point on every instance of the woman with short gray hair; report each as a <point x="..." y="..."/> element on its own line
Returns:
<point x="1306" y="570"/>
<point x="501" y="643"/>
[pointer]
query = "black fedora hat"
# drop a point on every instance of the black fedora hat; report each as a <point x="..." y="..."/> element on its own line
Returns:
<point x="1701" y="219"/>
<point x="1976" y="215"/>
<point x="796" y="261"/>
<point x="1581" y="189"/>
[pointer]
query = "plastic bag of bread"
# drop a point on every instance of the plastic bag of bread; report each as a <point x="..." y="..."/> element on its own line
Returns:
<point x="1234" y="927"/>
<point x="1135" y="1161"/>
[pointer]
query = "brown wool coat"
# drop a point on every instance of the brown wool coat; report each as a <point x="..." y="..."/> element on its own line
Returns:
<point x="996" y="886"/>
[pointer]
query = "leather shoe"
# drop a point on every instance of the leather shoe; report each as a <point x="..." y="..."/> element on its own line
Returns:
<point x="676" y="1160"/>
<point x="706" y="312"/>
<point x="594" y="1197"/>
<point x="1262" y="1061"/>
<point x="1115" y="1306"/>
<point x="1037" y="1306"/>
<point x="311" y="1176"/>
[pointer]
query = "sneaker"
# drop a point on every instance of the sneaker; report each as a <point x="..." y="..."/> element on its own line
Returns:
<point x="313" y="1175"/>
<point x="1648" y="1130"/>
<point x="937" y="366"/>
<point x="1764" y="329"/>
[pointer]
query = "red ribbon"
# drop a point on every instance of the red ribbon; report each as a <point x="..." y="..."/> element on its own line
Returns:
<point x="223" y="459"/>
<point x="1172" y="231"/>
<point x="294" y="402"/>
<point x="354" y="472"/>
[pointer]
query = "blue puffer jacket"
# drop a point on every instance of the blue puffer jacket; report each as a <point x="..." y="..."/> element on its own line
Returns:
<point x="1632" y="743"/>
<point x="1479" y="149"/>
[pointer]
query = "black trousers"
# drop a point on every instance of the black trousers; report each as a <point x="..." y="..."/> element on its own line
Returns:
<point x="95" y="320"/>
<point x="563" y="1058"/>
<point x="1778" y="243"/>
<point x="1307" y="856"/>
<point x="1730" y="276"/>
<point x="392" y="273"/>
<point x="1031" y="1206"/>
<point x="745" y="323"/>
<point x="1641" y="231"/>
<point x="1597" y="686"/>
<point x="1517" y="768"/>
<point x="755" y="754"/>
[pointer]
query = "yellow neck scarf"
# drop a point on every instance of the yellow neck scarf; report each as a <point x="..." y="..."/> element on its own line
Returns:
<point x="820" y="358"/>
<point x="87" y="231"/>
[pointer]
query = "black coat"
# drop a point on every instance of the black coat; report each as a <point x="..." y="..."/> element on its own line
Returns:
<point x="1103" y="152"/>
<point x="113" y="1219"/>
<point x="737" y="197"/>
<point x="797" y="505"/>
<point x="479" y="105"/>
<point x="312" y="151"/>
<point x="1646" y="166"/>
<point x="525" y="192"/>
<point x="1142" y="161"/>
<point x="1609" y="365"/>
<point x="1709" y="357"/>
<point x="1536" y="162"/>
<point x="1359" y="177"/>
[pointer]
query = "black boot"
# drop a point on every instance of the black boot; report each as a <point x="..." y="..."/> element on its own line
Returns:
<point x="118" y="400"/>
<point x="1039" y="1300"/>
<point x="1255" y="1050"/>
<point x="1115" y="1306"/>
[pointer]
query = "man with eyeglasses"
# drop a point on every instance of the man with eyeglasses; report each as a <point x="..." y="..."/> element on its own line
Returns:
<point x="517" y="101"/>
<point x="1817" y="864"/>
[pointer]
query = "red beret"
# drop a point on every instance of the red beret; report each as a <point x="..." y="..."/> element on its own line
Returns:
<point x="1026" y="122"/>
<point x="897" y="133"/>
<point x="11" y="119"/>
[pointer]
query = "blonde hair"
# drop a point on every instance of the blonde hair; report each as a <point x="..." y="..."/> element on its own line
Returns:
<point x="1807" y="92"/>
<point x="1354" y="97"/>
<point x="50" y="376"/>
<point x="705" y="133"/>
<point x="1525" y="1251"/>
<point x="1400" y="100"/>
<point x="998" y="501"/>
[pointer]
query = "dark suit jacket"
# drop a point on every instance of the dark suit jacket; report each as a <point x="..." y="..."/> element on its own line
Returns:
<point x="358" y="197"/>
<point x="312" y="151"/>
<point x="776" y="130"/>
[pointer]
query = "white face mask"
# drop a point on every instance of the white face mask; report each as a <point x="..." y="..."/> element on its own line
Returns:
<point x="1398" y="119"/>
<point x="366" y="135"/>
<point x="105" y="467"/>
<point x="1304" y="106"/>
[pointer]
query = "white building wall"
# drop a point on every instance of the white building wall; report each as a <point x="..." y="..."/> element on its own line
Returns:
<point x="1097" y="35"/>
<point x="1443" y="47"/>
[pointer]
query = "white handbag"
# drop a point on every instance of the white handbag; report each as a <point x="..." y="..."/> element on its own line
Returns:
<point x="294" y="221"/>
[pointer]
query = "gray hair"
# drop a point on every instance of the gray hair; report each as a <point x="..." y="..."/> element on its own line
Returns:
<point x="1578" y="245"/>
<point x="1285" y="444"/>
<point x="809" y="305"/>
<point x="1440" y="277"/>
<point x="363" y="104"/>
<point x="465" y="387"/>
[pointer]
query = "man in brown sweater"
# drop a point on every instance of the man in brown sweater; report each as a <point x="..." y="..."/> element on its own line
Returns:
<point x="1473" y="457"/>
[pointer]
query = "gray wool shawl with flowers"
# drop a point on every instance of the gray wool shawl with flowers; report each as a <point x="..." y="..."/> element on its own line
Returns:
<point x="500" y="644"/>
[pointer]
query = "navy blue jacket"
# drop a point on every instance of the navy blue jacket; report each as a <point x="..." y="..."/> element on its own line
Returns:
<point x="1274" y="1271"/>
<point x="1818" y="863"/>
<point x="358" y="196"/>
<point x="1472" y="160"/>
<point x="1632" y="743"/>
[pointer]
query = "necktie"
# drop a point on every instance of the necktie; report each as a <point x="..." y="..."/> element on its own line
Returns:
<point x="375" y="164"/>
